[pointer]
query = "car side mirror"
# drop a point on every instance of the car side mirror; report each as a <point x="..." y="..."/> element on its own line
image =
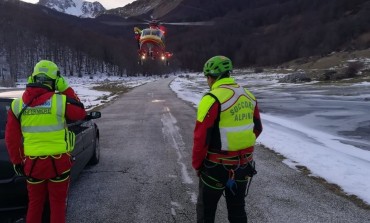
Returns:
<point x="93" y="115"/>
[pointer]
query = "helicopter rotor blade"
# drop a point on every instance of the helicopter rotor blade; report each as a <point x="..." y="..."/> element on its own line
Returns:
<point x="203" y="23"/>
<point x="113" y="23"/>
<point x="157" y="22"/>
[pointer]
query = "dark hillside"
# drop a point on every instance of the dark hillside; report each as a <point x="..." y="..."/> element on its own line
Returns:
<point x="194" y="10"/>
<point x="251" y="32"/>
<point x="269" y="32"/>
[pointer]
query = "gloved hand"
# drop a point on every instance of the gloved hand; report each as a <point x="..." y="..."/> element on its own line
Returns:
<point x="61" y="84"/>
<point x="18" y="169"/>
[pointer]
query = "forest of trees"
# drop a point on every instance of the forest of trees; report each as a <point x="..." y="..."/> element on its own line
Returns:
<point x="269" y="32"/>
<point x="250" y="32"/>
<point x="29" y="33"/>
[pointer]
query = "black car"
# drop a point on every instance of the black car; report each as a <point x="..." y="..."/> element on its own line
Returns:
<point x="13" y="191"/>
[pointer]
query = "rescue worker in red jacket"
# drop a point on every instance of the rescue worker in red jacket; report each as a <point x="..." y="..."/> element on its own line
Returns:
<point x="39" y="117"/>
<point x="228" y="123"/>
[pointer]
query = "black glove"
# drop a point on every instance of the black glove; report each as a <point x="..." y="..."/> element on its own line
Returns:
<point x="18" y="169"/>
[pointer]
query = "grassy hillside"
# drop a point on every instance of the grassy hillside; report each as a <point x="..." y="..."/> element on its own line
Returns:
<point x="338" y="62"/>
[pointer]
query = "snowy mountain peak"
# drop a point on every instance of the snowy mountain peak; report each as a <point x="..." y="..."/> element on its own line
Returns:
<point x="74" y="7"/>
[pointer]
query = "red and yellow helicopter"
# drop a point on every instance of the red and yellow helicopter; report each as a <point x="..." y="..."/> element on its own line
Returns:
<point x="151" y="40"/>
<point x="151" y="43"/>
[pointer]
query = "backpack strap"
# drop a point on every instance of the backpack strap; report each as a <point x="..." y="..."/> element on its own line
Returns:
<point x="23" y="109"/>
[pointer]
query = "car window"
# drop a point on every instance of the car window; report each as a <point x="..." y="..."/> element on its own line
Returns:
<point x="4" y="106"/>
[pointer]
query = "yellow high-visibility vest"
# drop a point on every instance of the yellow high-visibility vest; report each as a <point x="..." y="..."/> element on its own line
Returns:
<point x="44" y="127"/>
<point x="236" y="114"/>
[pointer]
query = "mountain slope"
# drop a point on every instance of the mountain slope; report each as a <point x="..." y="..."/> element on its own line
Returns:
<point x="30" y="32"/>
<point x="74" y="7"/>
<point x="251" y="33"/>
<point x="136" y="8"/>
<point x="262" y="32"/>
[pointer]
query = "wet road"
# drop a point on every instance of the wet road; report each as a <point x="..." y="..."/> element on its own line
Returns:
<point x="145" y="172"/>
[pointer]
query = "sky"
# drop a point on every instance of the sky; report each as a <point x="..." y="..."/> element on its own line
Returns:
<point x="108" y="4"/>
<point x="323" y="153"/>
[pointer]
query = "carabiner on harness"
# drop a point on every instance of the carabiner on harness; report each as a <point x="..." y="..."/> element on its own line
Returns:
<point x="231" y="181"/>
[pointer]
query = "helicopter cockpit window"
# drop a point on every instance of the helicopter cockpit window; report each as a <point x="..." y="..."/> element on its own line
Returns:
<point x="153" y="32"/>
<point x="145" y="32"/>
<point x="156" y="33"/>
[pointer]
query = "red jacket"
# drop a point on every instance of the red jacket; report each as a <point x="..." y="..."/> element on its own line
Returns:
<point x="13" y="134"/>
<point x="200" y="146"/>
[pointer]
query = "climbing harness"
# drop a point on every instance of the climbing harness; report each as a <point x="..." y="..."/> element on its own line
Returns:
<point x="59" y="177"/>
<point x="239" y="158"/>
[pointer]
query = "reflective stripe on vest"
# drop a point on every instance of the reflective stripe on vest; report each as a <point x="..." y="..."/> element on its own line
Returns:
<point x="236" y="117"/>
<point x="44" y="127"/>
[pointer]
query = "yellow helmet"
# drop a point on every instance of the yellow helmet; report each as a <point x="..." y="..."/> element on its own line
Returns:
<point x="49" y="68"/>
<point x="45" y="72"/>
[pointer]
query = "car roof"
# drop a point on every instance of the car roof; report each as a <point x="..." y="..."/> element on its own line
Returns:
<point x="11" y="94"/>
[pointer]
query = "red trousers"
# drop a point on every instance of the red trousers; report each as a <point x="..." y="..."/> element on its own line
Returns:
<point x="37" y="195"/>
<point x="43" y="169"/>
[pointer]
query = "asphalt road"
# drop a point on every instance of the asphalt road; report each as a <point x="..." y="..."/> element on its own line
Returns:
<point x="145" y="173"/>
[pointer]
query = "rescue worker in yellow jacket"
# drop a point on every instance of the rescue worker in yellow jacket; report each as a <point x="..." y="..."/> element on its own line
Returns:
<point x="228" y="123"/>
<point x="39" y="117"/>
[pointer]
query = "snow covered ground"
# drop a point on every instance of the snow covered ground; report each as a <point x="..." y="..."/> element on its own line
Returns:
<point x="312" y="142"/>
<point x="92" y="98"/>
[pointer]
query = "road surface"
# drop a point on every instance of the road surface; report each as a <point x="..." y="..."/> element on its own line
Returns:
<point x="145" y="173"/>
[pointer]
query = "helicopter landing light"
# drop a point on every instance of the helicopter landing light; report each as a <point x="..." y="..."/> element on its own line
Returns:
<point x="163" y="58"/>
<point x="143" y="57"/>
